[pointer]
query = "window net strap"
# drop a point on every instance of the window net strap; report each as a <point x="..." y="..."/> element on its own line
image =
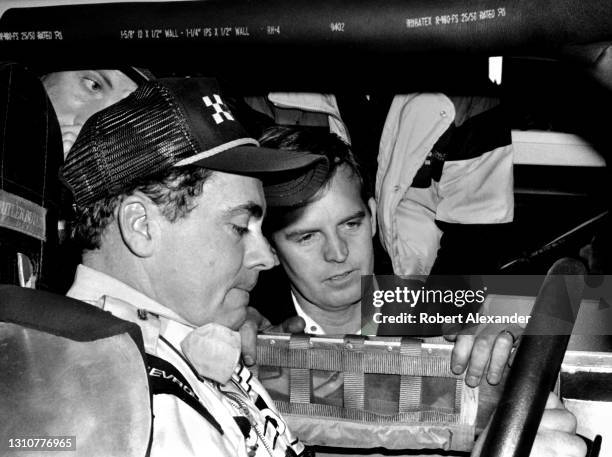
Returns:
<point x="410" y="386"/>
<point x="354" y="386"/>
<point x="299" y="384"/>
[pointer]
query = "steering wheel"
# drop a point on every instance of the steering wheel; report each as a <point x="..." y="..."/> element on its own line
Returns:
<point x="537" y="362"/>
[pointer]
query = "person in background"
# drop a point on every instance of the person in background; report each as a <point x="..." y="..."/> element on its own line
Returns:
<point x="326" y="244"/>
<point x="77" y="94"/>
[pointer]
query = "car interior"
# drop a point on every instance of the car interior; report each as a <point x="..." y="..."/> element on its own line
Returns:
<point x="549" y="64"/>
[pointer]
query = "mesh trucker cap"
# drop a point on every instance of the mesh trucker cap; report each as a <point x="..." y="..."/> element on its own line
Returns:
<point x="174" y="122"/>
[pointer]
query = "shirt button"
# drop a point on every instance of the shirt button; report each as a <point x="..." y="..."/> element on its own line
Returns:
<point x="313" y="328"/>
<point x="443" y="113"/>
<point x="396" y="188"/>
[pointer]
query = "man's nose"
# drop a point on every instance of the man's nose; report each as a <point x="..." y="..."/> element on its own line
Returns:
<point x="336" y="249"/>
<point x="260" y="255"/>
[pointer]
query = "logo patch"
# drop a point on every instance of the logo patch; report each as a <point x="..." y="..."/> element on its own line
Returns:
<point x="22" y="215"/>
<point x="221" y="111"/>
<point x="164" y="378"/>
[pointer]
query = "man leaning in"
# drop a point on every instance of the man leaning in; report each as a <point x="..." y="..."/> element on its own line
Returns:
<point x="169" y="210"/>
<point x="169" y="213"/>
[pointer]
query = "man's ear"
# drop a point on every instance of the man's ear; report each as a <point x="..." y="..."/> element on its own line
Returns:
<point x="372" y="206"/>
<point x="137" y="224"/>
<point x="274" y="254"/>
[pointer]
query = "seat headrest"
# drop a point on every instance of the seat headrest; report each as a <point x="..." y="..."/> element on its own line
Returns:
<point x="30" y="157"/>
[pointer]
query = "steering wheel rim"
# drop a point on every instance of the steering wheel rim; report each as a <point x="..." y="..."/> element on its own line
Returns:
<point x="537" y="362"/>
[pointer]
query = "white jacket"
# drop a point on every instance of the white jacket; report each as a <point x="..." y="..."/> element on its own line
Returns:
<point x="474" y="190"/>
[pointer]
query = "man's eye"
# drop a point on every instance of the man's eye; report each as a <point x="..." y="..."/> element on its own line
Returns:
<point x="354" y="224"/>
<point x="92" y="84"/>
<point x="240" y="230"/>
<point x="305" y="238"/>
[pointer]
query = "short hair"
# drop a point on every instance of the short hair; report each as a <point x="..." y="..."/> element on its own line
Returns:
<point x="173" y="191"/>
<point x="315" y="140"/>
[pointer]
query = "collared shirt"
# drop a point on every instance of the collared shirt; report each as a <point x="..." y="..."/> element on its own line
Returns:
<point x="180" y="430"/>
<point x="312" y="327"/>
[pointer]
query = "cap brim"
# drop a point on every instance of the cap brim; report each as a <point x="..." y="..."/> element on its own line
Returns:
<point x="138" y="75"/>
<point x="289" y="177"/>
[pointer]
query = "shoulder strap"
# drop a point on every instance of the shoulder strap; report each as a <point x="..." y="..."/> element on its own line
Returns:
<point x="62" y="316"/>
<point x="165" y="378"/>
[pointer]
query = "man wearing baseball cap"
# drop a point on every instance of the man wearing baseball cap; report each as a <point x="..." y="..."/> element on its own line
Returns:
<point x="169" y="207"/>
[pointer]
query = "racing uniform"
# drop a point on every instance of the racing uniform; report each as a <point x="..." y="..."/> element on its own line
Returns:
<point x="194" y="413"/>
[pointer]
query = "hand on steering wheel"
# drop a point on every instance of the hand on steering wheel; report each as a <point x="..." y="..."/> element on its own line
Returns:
<point x="556" y="435"/>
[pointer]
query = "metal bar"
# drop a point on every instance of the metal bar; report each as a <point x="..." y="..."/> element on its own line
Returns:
<point x="314" y="30"/>
<point x="537" y="362"/>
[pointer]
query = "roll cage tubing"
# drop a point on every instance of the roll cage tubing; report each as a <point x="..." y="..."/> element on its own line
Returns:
<point x="312" y="43"/>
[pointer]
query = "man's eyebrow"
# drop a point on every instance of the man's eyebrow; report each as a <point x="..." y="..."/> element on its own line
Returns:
<point x="359" y="214"/>
<point x="251" y="208"/>
<point x="299" y="232"/>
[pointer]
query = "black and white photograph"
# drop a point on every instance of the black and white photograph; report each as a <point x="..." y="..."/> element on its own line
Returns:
<point x="308" y="228"/>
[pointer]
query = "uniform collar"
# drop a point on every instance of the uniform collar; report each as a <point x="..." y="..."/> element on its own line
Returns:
<point x="154" y="319"/>
<point x="103" y="291"/>
<point x="312" y="326"/>
<point x="89" y="285"/>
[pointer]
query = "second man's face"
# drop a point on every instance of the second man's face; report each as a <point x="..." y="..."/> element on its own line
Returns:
<point x="329" y="247"/>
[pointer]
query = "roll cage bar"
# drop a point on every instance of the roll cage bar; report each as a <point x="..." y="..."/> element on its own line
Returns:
<point x="311" y="43"/>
